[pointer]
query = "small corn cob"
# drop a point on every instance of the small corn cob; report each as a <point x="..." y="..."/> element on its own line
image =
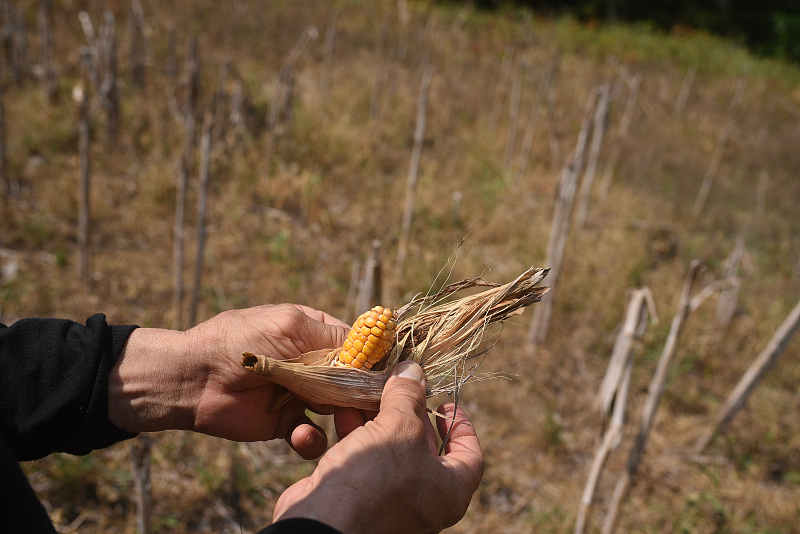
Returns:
<point x="370" y="339"/>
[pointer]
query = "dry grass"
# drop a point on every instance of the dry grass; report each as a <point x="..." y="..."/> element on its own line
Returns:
<point x="289" y="228"/>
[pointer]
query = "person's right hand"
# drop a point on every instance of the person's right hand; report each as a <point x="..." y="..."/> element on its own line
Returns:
<point x="386" y="476"/>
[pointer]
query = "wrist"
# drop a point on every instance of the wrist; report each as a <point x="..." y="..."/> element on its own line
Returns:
<point x="313" y="498"/>
<point x="153" y="384"/>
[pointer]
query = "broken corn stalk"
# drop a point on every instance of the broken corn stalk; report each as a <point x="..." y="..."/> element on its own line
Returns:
<point x="370" y="339"/>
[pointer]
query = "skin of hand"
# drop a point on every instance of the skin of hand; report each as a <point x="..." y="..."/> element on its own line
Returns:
<point x="194" y="380"/>
<point x="385" y="475"/>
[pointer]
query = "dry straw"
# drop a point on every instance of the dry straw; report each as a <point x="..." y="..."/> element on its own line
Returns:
<point x="444" y="336"/>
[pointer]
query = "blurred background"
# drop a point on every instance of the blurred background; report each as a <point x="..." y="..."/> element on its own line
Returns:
<point x="161" y="162"/>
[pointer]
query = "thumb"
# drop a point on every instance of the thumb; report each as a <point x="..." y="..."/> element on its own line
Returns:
<point x="318" y="335"/>
<point x="405" y="390"/>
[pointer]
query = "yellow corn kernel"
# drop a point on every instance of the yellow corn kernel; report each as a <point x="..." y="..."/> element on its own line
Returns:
<point x="370" y="339"/>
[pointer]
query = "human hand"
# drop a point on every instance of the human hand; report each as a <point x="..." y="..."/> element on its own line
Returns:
<point x="386" y="476"/>
<point x="194" y="380"/>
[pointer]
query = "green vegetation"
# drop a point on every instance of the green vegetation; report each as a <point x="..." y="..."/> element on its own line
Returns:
<point x="769" y="27"/>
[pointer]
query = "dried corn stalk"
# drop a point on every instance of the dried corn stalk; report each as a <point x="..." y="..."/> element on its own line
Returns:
<point x="443" y="337"/>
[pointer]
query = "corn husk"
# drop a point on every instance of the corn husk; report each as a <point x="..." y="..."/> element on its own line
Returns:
<point x="447" y="338"/>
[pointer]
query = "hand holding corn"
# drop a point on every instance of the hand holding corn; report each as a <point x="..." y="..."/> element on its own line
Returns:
<point x="392" y="464"/>
<point x="166" y="379"/>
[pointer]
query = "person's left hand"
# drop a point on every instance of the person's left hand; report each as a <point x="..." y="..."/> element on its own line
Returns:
<point x="194" y="380"/>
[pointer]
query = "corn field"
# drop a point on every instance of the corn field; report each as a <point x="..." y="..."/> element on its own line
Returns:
<point x="161" y="162"/>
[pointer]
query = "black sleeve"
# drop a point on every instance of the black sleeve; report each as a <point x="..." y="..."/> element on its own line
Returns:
<point x="20" y="509"/>
<point x="54" y="385"/>
<point x="299" y="525"/>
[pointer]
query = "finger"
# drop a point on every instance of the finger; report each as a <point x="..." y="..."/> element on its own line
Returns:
<point x="346" y="420"/>
<point x="321" y="316"/>
<point x="321" y="409"/>
<point x="462" y="450"/>
<point x="433" y="441"/>
<point x="291" y="414"/>
<point x="310" y="334"/>
<point x="461" y="435"/>
<point x="308" y="439"/>
<point x="404" y="392"/>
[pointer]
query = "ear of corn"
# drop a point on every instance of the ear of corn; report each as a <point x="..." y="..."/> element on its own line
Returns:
<point x="370" y="339"/>
<point x="437" y="332"/>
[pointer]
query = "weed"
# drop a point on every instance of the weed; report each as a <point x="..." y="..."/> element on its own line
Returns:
<point x="552" y="431"/>
<point x="279" y="247"/>
<point x="37" y="229"/>
<point x="212" y="480"/>
<point x="702" y="511"/>
<point x="792" y="477"/>
<point x="166" y="524"/>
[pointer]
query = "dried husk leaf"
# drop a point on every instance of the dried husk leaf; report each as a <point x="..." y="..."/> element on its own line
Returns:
<point x="320" y="383"/>
<point x="442" y="337"/>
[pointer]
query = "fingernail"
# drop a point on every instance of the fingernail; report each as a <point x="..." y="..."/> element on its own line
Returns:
<point x="409" y="370"/>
